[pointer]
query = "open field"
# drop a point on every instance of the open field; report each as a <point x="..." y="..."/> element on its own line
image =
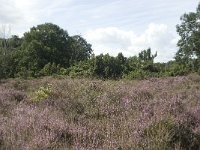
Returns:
<point x="61" y="113"/>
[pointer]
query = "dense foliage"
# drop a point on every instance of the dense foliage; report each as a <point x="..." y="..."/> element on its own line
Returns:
<point x="42" y="45"/>
<point x="49" y="50"/>
<point x="189" y="44"/>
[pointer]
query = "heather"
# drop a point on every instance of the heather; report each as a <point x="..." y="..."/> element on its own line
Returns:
<point x="63" y="113"/>
<point x="56" y="94"/>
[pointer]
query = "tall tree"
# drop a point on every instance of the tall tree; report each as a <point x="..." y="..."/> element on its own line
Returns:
<point x="47" y="43"/>
<point x="146" y="59"/>
<point x="189" y="43"/>
<point x="81" y="50"/>
<point x="147" y="56"/>
<point x="8" y="45"/>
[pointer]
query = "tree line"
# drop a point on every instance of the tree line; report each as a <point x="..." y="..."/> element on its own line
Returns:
<point x="47" y="49"/>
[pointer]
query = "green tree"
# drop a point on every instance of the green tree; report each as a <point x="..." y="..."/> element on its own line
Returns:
<point x="106" y="66"/>
<point x="146" y="59"/>
<point x="146" y="56"/>
<point x="121" y="58"/>
<point x="15" y="42"/>
<point x="47" y="43"/>
<point x="81" y="50"/>
<point x="132" y="63"/>
<point x="8" y="48"/>
<point x="189" y="43"/>
<point x="50" y="69"/>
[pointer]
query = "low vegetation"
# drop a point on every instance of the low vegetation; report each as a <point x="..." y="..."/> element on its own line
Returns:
<point x="62" y="113"/>
<point x="55" y="94"/>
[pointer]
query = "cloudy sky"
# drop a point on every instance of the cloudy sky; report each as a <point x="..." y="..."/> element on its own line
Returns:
<point x="111" y="26"/>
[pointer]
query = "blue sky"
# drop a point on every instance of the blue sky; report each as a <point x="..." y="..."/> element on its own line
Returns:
<point x="111" y="26"/>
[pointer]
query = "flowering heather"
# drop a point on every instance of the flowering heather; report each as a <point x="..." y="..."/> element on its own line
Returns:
<point x="82" y="114"/>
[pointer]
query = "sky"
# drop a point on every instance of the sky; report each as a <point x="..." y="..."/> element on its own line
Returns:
<point x="111" y="26"/>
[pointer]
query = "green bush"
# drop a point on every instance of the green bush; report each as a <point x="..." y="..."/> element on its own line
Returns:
<point x="42" y="93"/>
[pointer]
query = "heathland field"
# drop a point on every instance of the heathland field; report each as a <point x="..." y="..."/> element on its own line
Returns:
<point x="56" y="113"/>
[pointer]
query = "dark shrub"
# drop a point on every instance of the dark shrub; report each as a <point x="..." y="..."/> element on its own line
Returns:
<point x="165" y="135"/>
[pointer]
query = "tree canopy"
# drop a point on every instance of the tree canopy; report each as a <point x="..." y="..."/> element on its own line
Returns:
<point x="48" y="49"/>
<point x="48" y="43"/>
<point x="189" y="43"/>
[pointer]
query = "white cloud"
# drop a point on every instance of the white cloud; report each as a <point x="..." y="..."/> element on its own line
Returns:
<point x="8" y="12"/>
<point x="23" y="14"/>
<point x="113" y="40"/>
<point x="116" y="25"/>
